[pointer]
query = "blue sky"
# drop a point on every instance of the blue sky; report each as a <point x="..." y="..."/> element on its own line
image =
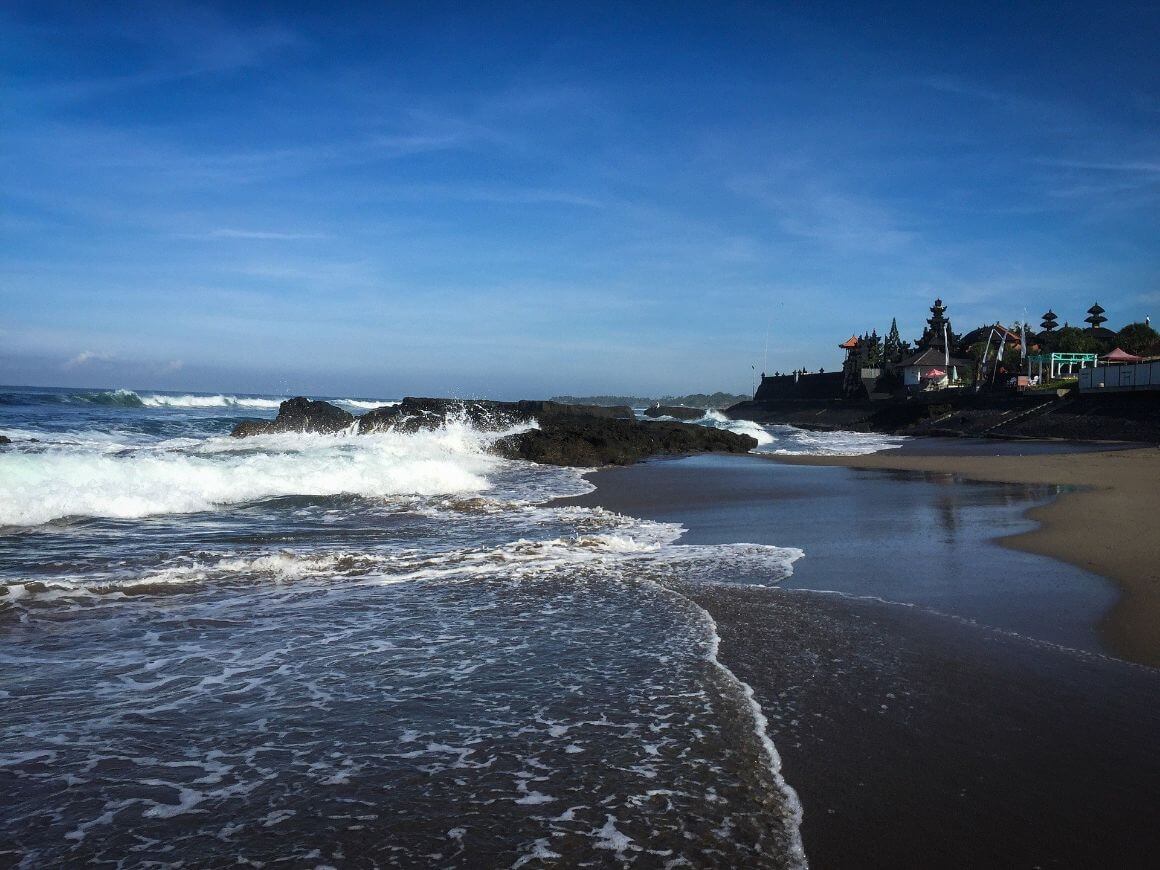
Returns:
<point x="548" y="198"/>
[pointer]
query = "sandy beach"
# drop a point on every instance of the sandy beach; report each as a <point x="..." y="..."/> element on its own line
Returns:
<point x="1107" y="524"/>
<point x="938" y="698"/>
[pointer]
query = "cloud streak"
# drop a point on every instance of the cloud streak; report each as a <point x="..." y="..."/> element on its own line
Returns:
<point x="259" y="235"/>
<point x="85" y="357"/>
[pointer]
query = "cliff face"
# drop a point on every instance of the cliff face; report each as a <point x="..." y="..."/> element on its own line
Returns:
<point x="1113" y="417"/>
<point x="574" y="435"/>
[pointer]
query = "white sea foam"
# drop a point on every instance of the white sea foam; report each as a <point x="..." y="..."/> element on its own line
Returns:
<point x="158" y="400"/>
<point x="366" y="405"/>
<point x="225" y="401"/>
<point x="66" y="481"/>
<point x="791" y="441"/>
<point x="793" y="820"/>
<point x="717" y="420"/>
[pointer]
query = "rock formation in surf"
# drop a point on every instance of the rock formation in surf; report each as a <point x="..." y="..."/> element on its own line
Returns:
<point x="574" y="435"/>
<point x="299" y="415"/>
<point x="677" y="412"/>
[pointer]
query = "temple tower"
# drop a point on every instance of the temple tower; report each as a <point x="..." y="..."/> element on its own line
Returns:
<point x="1095" y="318"/>
<point x="938" y="329"/>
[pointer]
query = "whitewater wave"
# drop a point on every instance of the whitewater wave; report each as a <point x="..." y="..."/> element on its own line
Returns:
<point x="717" y="420"/>
<point x="790" y="441"/>
<point x="187" y="477"/>
<point x="782" y="440"/>
<point x="159" y="400"/>
<point x="132" y="399"/>
<point x="650" y="547"/>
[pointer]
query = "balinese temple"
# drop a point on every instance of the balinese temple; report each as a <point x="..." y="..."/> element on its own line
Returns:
<point x="1096" y="321"/>
<point x="933" y="366"/>
<point x="938" y="329"/>
<point x="1050" y="321"/>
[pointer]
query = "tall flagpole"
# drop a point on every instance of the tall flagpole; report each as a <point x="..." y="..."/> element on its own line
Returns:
<point x="983" y="365"/>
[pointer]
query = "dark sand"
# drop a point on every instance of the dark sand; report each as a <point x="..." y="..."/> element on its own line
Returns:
<point x="917" y="738"/>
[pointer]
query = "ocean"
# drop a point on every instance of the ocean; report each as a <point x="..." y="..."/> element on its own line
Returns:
<point x="358" y="651"/>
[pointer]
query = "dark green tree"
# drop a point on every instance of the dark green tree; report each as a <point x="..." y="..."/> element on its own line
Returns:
<point x="1139" y="338"/>
<point x="892" y="346"/>
<point x="1071" y="339"/>
<point x="874" y="350"/>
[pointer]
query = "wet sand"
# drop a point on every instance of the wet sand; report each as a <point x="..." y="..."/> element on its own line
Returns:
<point x="974" y="725"/>
<point x="1109" y="523"/>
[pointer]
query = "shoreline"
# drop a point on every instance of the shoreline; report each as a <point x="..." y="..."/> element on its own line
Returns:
<point x="914" y="736"/>
<point x="1103" y="523"/>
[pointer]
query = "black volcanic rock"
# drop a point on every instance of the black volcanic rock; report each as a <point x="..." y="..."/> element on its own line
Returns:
<point x="587" y="442"/>
<point x="253" y="427"/>
<point x="4" y="439"/>
<point x="575" y="435"/>
<point x="299" y="415"/>
<point x="677" y="412"/>
<point x="413" y="413"/>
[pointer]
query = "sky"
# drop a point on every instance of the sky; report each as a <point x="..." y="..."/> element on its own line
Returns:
<point x="533" y="199"/>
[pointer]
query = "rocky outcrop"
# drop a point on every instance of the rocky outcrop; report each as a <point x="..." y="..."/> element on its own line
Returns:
<point x="299" y="415"/>
<point x="677" y="412"/>
<point x="590" y="442"/>
<point x="575" y="435"/>
<point x="4" y="439"/>
<point x="415" y="413"/>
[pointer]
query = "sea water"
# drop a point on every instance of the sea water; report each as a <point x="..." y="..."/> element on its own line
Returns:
<point x="350" y="650"/>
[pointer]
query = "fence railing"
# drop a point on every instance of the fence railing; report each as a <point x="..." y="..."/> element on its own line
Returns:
<point x="1111" y="379"/>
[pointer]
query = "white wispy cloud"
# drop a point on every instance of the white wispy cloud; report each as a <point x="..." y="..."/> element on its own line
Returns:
<point x="813" y="208"/>
<point x="1144" y="167"/>
<point x="230" y="233"/>
<point x="85" y="357"/>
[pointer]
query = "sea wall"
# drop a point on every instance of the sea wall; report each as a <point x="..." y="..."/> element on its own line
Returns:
<point x="812" y="386"/>
<point x="1116" y="417"/>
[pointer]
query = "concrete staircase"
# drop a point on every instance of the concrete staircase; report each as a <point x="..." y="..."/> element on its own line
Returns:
<point x="1014" y="416"/>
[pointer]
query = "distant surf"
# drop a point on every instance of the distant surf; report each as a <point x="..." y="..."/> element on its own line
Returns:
<point x="791" y="441"/>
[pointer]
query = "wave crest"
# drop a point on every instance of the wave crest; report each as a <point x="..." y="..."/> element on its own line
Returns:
<point x="38" y="487"/>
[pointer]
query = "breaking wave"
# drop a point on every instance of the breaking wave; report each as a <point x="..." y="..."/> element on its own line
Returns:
<point x="159" y="400"/>
<point x="184" y="477"/>
<point x="124" y="398"/>
<point x="193" y="401"/>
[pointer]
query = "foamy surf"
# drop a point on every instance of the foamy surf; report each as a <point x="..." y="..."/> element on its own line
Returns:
<point x="436" y="643"/>
<point x="791" y="441"/>
<point x="131" y="482"/>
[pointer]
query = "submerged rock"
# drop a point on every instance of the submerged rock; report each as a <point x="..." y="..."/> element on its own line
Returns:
<point x="4" y="439"/>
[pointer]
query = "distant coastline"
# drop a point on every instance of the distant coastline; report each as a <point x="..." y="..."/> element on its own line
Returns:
<point x="691" y="400"/>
